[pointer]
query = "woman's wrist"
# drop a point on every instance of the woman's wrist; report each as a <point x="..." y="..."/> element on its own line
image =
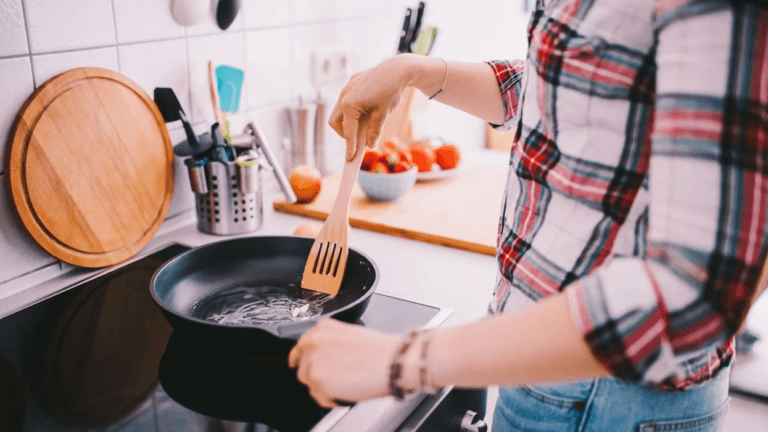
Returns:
<point x="424" y="73"/>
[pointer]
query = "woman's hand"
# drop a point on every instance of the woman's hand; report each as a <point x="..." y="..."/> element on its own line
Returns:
<point x="366" y="101"/>
<point x="343" y="362"/>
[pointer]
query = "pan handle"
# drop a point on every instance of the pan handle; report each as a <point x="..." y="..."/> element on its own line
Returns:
<point x="295" y="330"/>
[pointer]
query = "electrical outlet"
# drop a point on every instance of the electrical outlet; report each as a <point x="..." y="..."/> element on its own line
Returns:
<point x="329" y="66"/>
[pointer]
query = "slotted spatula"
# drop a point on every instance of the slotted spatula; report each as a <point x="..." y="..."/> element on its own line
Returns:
<point x="328" y="256"/>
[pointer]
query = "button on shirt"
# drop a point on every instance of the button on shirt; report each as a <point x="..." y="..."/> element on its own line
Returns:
<point x="638" y="180"/>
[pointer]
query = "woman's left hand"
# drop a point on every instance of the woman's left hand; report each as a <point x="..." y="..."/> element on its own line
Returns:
<point x="343" y="362"/>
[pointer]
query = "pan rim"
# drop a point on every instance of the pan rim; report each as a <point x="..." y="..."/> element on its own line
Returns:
<point x="272" y="329"/>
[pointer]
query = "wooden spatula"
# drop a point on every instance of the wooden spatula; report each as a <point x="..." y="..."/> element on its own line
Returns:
<point x="328" y="256"/>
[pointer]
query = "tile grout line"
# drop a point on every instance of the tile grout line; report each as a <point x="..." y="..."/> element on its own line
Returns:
<point x="117" y="42"/>
<point x="29" y="43"/>
<point x="186" y="36"/>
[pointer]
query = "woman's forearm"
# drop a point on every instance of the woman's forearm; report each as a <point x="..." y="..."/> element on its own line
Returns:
<point x="538" y="344"/>
<point x="470" y="87"/>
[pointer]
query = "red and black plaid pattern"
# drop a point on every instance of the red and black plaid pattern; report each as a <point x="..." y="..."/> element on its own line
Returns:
<point x="639" y="180"/>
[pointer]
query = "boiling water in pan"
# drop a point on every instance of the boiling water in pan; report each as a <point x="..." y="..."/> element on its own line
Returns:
<point x="261" y="305"/>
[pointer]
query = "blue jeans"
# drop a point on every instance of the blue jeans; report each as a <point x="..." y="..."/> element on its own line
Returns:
<point x="610" y="405"/>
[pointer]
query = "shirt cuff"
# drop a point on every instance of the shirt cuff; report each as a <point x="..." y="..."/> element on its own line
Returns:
<point x="634" y="346"/>
<point x="509" y="76"/>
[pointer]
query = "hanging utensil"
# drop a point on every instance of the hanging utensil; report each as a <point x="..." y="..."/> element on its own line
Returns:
<point x="226" y="12"/>
<point x="171" y="110"/>
<point x="189" y="12"/>
<point x="328" y="257"/>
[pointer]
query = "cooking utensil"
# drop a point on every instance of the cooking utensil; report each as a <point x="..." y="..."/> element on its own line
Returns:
<point x="220" y="151"/>
<point x="226" y="12"/>
<point x="229" y="81"/>
<point x="90" y="133"/>
<point x="216" y="280"/>
<point x="214" y="95"/>
<point x="403" y="46"/>
<point x="414" y="32"/>
<point x="171" y="109"/>
<point x="189" y="12"/>
<point x="260" y="140"/>
<point x="328" y="258"/>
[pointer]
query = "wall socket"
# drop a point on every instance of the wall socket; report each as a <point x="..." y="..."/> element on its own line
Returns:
<point x="329" y="66"/>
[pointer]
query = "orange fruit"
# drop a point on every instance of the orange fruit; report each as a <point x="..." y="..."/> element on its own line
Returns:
<point x="423" y="158"/>
<point x="447" y="156"/>
<point x="305" y="182"/>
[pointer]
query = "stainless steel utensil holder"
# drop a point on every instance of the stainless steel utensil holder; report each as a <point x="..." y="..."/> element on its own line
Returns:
<point x="225" y="210"/>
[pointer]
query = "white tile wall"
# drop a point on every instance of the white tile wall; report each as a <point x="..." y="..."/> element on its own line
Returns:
<point x="57" y="25"/>
<point x="157" y="64"/>
<point x="221" y="49"/>
<point x="13" y="93"/>
<point x="145" y="20"/>
<point x="47" y="66"/>
<point x="14" y="35"/>
<point x="271" y="40"/>
<point x="268" y="66"/>
<point x="271" y="13"/>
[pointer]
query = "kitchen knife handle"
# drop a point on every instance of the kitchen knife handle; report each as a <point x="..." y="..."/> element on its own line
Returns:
<point x="416" y="27"/>
<point x="406" y="29"/>
<point x="261" y="142"/>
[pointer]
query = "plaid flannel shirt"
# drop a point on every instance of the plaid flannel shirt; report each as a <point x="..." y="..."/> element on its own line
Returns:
<point x="638" y="178"/>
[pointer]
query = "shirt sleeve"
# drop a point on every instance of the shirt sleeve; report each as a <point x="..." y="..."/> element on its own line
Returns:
<point x="644" y="319"/>
<point x="509" y="75"/>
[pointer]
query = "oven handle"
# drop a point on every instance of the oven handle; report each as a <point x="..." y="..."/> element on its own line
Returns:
<point x="473" y="423"/>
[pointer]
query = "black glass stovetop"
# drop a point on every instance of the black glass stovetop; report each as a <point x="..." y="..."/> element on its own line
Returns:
<point x="260" y="389"/>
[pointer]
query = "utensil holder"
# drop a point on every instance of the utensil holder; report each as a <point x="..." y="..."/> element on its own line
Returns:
<point x="225" y="210"/>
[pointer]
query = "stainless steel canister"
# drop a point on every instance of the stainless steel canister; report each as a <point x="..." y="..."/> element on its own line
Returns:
<point x="226" y="209"/>
<point x="196" y="171"/>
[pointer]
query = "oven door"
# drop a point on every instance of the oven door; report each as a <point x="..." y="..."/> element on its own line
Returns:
<point x="449" y="410"/>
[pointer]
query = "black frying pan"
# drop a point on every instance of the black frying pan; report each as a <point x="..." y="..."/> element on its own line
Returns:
<point x="194" y="290"/>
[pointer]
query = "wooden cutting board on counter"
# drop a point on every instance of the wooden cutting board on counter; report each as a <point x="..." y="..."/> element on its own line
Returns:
<point x="460" y="211"/>
<point x="90" y="166"/>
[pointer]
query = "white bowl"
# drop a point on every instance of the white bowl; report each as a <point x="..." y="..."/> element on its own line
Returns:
<point x="386" y="187"/>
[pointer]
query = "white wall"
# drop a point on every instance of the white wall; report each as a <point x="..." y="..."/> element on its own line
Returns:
<point x="271" y="40"/>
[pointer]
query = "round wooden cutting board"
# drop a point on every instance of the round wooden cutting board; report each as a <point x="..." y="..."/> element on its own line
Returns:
<point x="90" y="167"/>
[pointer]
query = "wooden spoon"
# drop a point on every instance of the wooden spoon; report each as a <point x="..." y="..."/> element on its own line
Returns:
<point x="328" y="256"/>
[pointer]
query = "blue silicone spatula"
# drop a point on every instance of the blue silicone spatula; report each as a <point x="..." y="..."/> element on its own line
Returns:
<point x="230" y="83"/>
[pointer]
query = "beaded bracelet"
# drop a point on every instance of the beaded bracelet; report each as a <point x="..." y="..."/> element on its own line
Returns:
<point x="426" y="387"/>
<point x="396" y="370"/>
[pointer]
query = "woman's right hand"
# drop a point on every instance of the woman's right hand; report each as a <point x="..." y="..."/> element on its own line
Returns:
<point x="366" y="101"/>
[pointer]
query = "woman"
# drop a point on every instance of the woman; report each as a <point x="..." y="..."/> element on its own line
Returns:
<point x="633" y="227"/>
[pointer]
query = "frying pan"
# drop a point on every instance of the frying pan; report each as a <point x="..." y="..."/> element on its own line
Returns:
<point x="197" y="288"/>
